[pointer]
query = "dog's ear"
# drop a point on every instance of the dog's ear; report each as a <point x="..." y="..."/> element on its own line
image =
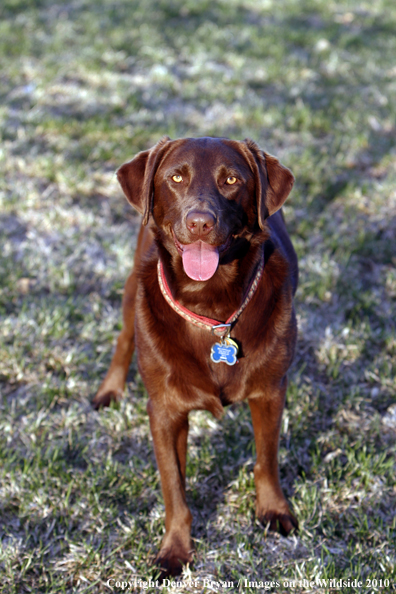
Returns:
<point x="137" y="178"/>
<point x="273" y="181"/>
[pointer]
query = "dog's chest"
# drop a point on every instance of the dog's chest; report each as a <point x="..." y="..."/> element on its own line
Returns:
<point x="177" y="355"/>
<point x="224" y="378"/>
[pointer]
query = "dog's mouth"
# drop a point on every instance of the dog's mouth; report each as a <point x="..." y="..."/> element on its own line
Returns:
<point x="200" y="260"/>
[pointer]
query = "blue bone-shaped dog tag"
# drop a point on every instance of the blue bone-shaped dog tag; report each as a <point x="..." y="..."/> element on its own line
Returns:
<point x="225" y="352"/>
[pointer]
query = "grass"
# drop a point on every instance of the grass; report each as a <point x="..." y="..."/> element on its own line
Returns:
<point x="86" y="84"/>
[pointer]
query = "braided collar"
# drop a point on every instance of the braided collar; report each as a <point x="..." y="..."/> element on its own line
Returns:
<point x="214" y="326"/>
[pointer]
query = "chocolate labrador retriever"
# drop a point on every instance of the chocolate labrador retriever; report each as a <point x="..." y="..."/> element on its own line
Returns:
<point x="209" y="306"/>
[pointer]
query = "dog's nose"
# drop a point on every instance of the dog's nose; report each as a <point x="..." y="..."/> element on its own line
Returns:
<point x="200" y="223"/>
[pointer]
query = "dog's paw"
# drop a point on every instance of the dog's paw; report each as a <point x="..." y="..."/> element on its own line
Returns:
<point x="171" y="561"/>
<point x="105" y="398"/>
<point x="284" y="523"/>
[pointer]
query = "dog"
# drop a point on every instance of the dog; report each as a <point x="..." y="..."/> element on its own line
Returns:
<point x="209" y="306"/>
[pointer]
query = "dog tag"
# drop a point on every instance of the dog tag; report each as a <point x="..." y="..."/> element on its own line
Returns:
<point x="225" y="351"/>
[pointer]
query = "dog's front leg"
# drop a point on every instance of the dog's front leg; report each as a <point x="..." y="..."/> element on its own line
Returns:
<point x="170" y="430"/>
<point x="271" y="506"/>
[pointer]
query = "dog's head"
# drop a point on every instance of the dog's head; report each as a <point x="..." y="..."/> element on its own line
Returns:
<point x="203" y="193"/>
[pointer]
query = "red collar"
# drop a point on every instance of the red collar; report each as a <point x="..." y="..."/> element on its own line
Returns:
<point x="216" y="327"/>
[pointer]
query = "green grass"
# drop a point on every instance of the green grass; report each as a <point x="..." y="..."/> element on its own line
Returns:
<point x="84" y="85"/>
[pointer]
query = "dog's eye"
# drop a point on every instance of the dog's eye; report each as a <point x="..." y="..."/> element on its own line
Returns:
<point x="177" y="178"/>
<point x="231" y="180"/>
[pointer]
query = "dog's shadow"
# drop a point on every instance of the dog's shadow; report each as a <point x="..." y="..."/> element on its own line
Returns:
<point x="218" y="451"/>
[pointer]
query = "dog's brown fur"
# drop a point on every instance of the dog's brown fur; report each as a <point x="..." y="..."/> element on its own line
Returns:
<point x="173" y="354"/>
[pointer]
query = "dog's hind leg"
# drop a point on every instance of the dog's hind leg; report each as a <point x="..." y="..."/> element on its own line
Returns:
<point x="112" y="387"/>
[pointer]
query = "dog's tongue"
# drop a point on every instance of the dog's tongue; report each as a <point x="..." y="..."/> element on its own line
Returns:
<point x="200" y="260"/>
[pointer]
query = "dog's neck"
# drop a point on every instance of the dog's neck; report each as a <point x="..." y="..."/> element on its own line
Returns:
<point x="225" y="291"/>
